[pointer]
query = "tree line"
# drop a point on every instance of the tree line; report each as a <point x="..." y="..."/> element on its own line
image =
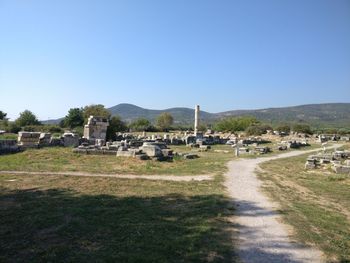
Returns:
<point x="77" y="117"/>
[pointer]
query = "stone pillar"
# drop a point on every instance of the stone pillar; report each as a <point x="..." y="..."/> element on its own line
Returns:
<point x="196" y="120"/>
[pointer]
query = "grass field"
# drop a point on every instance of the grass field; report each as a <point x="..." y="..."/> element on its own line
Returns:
<point x="78" y="219"/>
<point x="8" y="136"/>
<point x="61" y="159"/>
<point x="316" y="203"/>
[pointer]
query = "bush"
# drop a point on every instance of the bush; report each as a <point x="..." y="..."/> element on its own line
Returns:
<point x="257" y="129"/>
<point x="233" y="124"/>
<point x="74" y="118"/>
<point x="43" y="128"/>
<point x="164" y="121"/>
<point x="283" y="128"/>
<point x="79" y="130"/>
<point x="302" y="128"/>
<point x="12" y="127"/>
<point x="140" y="124"/>
<point x="115" y="125"/>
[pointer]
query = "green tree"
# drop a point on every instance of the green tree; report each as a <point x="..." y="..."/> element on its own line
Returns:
<point x="115" y="125"/>
<point x="140" y="124"/>
<point x="27" y="118"/>
<point x="97" y="110"/>
<point x="13" y="128"/>
<point x="165" y="120"/>
<point x="233" y="124"/>
<point x="257" y="129"/>
<point x="302" y="128"/>
<point x="2" y="115"/>
<point x="74" y="118"/>
<point x="283" y="128"/>
<point x="202" y="127"/>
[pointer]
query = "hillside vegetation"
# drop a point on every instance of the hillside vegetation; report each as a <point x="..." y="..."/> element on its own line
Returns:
<point x="335" y="115"/>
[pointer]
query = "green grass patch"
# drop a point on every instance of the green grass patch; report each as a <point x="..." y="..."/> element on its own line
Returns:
<point x="8" y="136"/>
<point x="61" y="159"/>
<point x="315" y="202"/>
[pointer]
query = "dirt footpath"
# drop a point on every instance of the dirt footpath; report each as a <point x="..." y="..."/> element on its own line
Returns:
<point x="262" y="235"/>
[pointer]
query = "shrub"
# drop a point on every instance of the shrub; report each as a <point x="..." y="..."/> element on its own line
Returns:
<point x="302" y="128"/>
<point x="233" y="124"/>
<point x="257" y="129"/>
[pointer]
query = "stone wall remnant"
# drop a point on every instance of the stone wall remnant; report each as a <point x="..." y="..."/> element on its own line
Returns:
<point x="96" y="128"/>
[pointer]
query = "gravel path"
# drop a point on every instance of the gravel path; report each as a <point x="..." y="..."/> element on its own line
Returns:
<point x="177" y="178"/>
<point x="261" y="235"/>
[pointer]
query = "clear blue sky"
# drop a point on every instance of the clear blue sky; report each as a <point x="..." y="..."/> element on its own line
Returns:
<point x="223" y="55"/>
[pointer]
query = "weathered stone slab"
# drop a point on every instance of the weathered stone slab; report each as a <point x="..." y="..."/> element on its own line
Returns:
<point x="341" y="169"/>
<point x="152" y="150"/>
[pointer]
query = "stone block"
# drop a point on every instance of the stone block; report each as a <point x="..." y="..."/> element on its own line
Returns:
<point x="341" y="169"/>
<point x="126" y="153"/>
<point x="152" y="150"/>
<point x="28" y="139"/>
<point x="8" y="146"/>
<point x="70" y="140"/>
<point x="56" y="141"/>
<point x="44" y="139"/>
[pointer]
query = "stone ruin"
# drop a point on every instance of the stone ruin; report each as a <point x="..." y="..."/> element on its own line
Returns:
<point x="149" y="150"/>
<point x="284" y="145"/>
<point x="29" y="139"/>
<point x="96" y="130"/>
<point x="250" y="145"/>
<point x="8" y="146"/>
<point x="70" y="139"/>
<point x="339" y="161"/>
<point x="322" y="138"/>
<point x="142" y="147"/>
<point x="37" y="139"/>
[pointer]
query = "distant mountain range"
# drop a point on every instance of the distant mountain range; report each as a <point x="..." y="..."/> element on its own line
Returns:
<point x="318" y="115"/>
<point x="130" y="112"/>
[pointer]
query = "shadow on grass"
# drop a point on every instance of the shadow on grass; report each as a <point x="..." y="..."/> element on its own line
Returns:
<point x="63" y="226"/>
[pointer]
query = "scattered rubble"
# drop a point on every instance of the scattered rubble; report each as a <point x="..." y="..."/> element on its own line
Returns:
<point x="338" y="160"/>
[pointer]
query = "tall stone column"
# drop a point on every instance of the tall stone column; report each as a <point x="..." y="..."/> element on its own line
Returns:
<point x="196" y="119"/>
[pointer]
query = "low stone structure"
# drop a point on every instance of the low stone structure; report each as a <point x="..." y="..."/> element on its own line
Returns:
<point x="70" y="139"/>
<point x="343" y="169"/>
<point x="262" y="150"/>
<point x="28" y="139"/>
<point x="334" y="160"/>
<point x="56" y="141"/>
<point x="294" y="144"/>
<point x="311" y="163"/>
<point x="45" y="139"/>
<point x="8" y="146"/>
